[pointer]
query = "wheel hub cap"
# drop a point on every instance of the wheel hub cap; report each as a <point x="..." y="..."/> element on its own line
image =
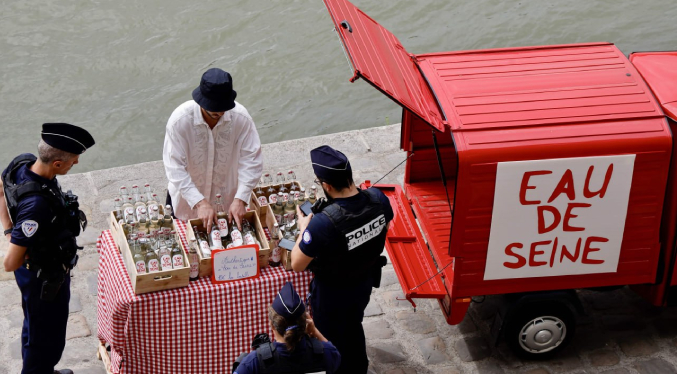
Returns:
<point x="542" y="334"/>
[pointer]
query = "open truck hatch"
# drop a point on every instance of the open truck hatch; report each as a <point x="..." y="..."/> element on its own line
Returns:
<point x="531" y="171"/>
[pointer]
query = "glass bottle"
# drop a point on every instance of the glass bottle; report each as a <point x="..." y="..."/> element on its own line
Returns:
<point x="221" y="217"/>
<point x="281" y="188"/>
<point x="249" y="234"/>
<point x="148" y="192"/>
<point x="302" y="197"/>
<point x="293" y="189"/>
<point x="142" y="223"/>
<point x="194" y="260"/>
<point x="271" y="192"/>
<point x="124" y="193"/>
<point x="138" y="257"/>
<point x="236" y="236"/>
<point x="152" y="261"/>
<point x="153" y="207"/>
<point x="203" y="242"/>
<point x="167" y="220"/>
<point x="177" y="253"/>
<point x="278" y="208"/>
<point x="215" y="238"/>
<point x="290" y="211"/>
<point x="275" y="258"/>
<point x="155" y="227"/>
<point x="165" y="256"/>
<point x="261" y="195"/>
<point x="313" y="194"/>
<point x="128" y="210"/>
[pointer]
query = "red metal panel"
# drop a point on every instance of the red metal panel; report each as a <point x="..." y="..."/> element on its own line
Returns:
<point x="408" y="252"/>
<point x="378" y="57"/>
<point x="479" y="152"/>
<point x="537" y="86"/>
<point x="659" y="69"/>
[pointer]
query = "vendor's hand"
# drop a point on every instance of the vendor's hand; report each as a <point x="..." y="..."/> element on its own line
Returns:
<point x="237" y="211"/>
<point x="206" y="213"/>
<point x="301" y="220"/>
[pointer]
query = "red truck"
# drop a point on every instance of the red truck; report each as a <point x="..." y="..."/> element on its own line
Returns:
<point x="532" y="172"/>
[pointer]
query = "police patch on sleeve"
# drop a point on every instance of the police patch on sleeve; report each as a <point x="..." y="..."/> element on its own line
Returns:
<point x="29" y="227"/>
<point x="307" y="238"/>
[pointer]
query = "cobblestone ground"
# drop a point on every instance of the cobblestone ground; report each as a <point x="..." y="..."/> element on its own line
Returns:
<point x="621" y="334"/>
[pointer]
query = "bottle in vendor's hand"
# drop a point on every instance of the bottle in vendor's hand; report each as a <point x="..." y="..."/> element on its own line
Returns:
<point x="275" y="258"/>
<point x="221" y="217"/>
<point x="278" y="208"/>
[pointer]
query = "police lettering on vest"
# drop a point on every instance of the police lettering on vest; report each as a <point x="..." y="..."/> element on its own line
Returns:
<point x="365" y="233"/>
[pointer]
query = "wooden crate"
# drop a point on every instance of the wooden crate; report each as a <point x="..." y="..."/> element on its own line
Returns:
<point x="144" y="283"/>
<point x="255" y="203"/>
<point x="103" y="356"/>
<point x="206" y="262"/>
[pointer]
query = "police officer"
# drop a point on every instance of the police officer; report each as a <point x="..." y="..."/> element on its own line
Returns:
<point x="342" y="244"/>
<point x="298" y="348"/>
<point x="41" y="223"/>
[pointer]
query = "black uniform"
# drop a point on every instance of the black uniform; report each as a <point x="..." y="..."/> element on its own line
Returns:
<point x="346" y="240"/>
<point x="39" y="221"/>
<point x="46" y="222"/>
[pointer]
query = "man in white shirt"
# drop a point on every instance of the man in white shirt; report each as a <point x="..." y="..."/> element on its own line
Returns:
<point x="211" y="147"/>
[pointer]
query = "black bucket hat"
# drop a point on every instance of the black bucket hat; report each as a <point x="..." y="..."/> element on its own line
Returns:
<point x="215" y="93"/>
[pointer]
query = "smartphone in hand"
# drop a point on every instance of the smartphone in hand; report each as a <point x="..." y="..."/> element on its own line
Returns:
<point x="306" y="208"/>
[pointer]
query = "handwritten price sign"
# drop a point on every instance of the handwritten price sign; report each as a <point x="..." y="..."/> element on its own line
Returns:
<point x="558" y="217"/>
<point x="235" y="264"/>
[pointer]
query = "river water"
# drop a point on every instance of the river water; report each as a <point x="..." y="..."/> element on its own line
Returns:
<point x="119" y="68"/>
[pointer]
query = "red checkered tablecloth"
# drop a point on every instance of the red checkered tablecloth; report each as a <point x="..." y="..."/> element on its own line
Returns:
<point x="201" y="328"/>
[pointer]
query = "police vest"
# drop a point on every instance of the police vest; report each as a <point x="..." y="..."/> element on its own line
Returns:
<point x="362" y="240"/>
<point x="59" y="246"/>
<point x="312" y="361"/>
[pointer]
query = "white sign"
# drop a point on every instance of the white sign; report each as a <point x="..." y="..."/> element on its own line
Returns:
<point x="235" y="263"/>
<point x="558" y="217"/>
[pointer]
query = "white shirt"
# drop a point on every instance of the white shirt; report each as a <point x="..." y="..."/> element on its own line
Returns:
<point x="201" y="162"/>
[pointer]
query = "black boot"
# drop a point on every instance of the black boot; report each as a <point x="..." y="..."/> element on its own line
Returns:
<point x="63" y="371"/>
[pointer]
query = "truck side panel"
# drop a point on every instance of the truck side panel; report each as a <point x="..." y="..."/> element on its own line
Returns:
<point x="648" y="139"/>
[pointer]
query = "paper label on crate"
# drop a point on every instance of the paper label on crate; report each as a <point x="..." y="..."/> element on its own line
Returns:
<point x="263" y="201"/>
<point x="235" y="264"/>
<point x="141" y="267"/>
<point x="558" y="217"/>
<point x="153" y="265"/>
<point x="177" y="261"/>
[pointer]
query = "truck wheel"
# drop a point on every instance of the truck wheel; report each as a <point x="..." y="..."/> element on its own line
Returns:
<point x="539" y="330"/>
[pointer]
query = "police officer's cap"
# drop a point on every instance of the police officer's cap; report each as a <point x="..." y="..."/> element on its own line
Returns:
<point x="288" y="303"/>
<point x="69" y="138"/>
<point x="330" y="164"/>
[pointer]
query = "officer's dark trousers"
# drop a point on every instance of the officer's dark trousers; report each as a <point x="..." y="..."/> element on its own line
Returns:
<point x="338" y="312"/>
<point x="43" y="337"/>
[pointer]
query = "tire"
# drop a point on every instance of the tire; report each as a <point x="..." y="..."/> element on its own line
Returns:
<point x="539" y="330"/>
